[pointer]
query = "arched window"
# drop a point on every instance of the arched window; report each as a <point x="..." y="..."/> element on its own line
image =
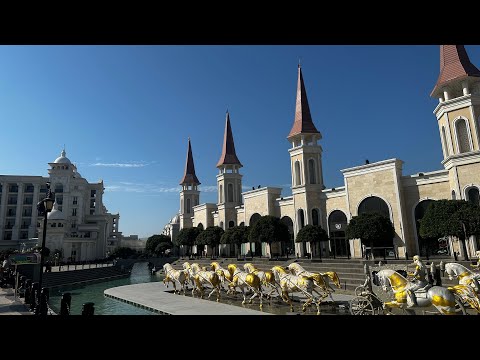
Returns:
<point x="301" y="219"/>
<point x="374" y="204"/>
<point x="231" y="224"/>
<point x="200" y="226"/>
<point x="221" y="194"/>
<point x="462" y="136"/>
<point x="298" y="175"/>
<point x="473" y="196"/>
<point x="189" y="209"/>
<point x="315" y="219"/>
<point x="254" y="218"/>
<point x="454" y="196"/>
<point x="445" y="141"/>
<point x="230" y="192"/>
<point x="221" y="224"/>
<point x="242" y="224"/>
<point x="312" y="171"/>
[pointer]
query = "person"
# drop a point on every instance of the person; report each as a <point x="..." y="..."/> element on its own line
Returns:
<point x="418" y="281"/>
<point x="6" y="263"/>
<point x="477" y="265"/>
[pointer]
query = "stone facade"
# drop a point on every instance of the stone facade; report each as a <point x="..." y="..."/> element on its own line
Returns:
<point x="379" y="186"/>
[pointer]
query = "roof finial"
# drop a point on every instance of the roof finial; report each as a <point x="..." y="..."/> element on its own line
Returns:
<point x="227" y="109"/>
<point x="299" y="62"/>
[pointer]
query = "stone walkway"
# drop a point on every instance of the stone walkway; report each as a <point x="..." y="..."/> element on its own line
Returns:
<point x="8" y="305"/>
<point x="157" y="298"/>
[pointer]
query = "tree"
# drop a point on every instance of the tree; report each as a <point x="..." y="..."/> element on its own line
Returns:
<point x="236" y="236"/>
<point x="372" y="229"/>
<point x="123" y="252"/>
<point x="312" y="234"/>
<point x="186" y="237"/>
<point x="162" y="247"/>
<point x="269" y="229"/>
<point x="210" y="236"/>
<point x="153" y="241"/>
<point x="451" y="218"/>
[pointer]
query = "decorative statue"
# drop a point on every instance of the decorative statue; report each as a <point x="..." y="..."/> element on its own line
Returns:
<point x="418" y="282"/>
<point x="464" y="275"/>
<point x="477" y="265"/>
<point x="441" y="298"/>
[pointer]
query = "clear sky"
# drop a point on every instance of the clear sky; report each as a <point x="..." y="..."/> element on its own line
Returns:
<point x="125" y="113"/>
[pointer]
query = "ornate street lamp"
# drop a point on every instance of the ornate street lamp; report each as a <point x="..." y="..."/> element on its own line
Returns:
<point x="44" y="207"/>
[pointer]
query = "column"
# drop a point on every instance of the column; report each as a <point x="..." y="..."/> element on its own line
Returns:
<point x="3" y="208"/>
<point x="33" y="224"/>
<point x="18" y="216"/>
<point x="83" y="251"/>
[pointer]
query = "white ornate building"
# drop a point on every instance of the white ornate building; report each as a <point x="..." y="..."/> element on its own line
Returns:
<point x="79" y="224"/>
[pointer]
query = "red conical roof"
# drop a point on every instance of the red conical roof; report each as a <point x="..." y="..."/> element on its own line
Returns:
<point x="189" y="177"/>
<point x="454" y="64"/>
<point x="303" y="123"/>
<point x="228" y="157"/>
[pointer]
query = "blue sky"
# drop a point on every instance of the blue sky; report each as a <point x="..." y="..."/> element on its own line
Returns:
<point x="124" y="114"/>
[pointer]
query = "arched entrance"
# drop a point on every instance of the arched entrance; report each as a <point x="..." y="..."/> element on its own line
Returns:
<point x="255" y="247"/>
<point x="290" y="246"/>
<point x="428" y="246"/>
<point x="372" y="205"/>
<point x="337" y="223"/>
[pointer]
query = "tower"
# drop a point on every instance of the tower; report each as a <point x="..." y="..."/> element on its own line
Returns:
<point x="458" y="116"/>
<point x="229" y="181"/>
<point x="189" y="195"/>
<point x="306" y="165"/>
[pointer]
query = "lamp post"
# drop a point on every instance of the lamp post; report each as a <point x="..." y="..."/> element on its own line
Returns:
<point x="44" y="206"/>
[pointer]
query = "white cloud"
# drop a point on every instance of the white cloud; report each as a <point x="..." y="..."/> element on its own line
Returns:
<point x="121" y="165"/>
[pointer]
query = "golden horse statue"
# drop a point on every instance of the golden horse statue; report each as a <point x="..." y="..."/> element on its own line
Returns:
<point x="321" y="280"/>
<point x="225" y="274"/>
<point x="201" y="277"/>
<point x="245" y="281"/>
<point x="464" y="275"/>
<point x="441" y="298"/>
<point x="290" y="283"/>
<point x="174" y="276"/>
<point x="267" y="278"/>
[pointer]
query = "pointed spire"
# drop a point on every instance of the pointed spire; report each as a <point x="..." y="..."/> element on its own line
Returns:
<point x="303" y="123"/>
<point x="454" y="65"/>
<point x="189" y="176"/>
<point x="228" y="157"/>
<point x="64" y="153"/>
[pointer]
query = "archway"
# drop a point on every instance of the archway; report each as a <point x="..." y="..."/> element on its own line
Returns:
<point x="428" y="246"/>
<point x="256" y="248"/>
<point x="376" y="205"/>
<point x="290" y="246"/>
<point x="337" y="223"/>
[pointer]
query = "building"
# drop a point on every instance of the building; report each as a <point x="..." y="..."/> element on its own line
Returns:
<point x="370" y="187"/>
<point x="133" y="242"/>
<point x="79" y="223"/>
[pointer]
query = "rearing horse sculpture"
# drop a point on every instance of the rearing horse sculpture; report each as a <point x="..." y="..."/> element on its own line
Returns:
<point x="319" y="279"/>
<point x="201" y="277"/>
<point x="293" y="283"/>
<point x="172" y="275"/>
<point x="245" y="281"/>
<point x="441" y="298"/>
<point x="224" y="274"/>
<point x="464" y="275"/>
<point x="267" y="278"/>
